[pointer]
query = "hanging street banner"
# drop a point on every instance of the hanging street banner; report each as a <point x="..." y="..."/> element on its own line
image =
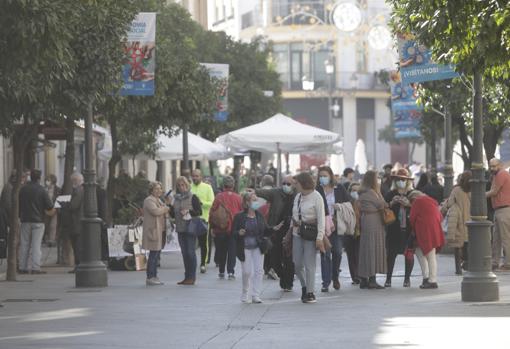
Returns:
<point x="140" y="56"/>
<point x="416" y="64"/>
<point x="220" y="73"/>
<point x="405" y="111"/>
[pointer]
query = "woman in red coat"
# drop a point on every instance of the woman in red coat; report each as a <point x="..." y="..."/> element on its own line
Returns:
<point x="425" y="220"/>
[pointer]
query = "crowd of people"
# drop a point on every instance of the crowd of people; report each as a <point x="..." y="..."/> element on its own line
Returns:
<point x="373" y="221"/>
<point x="278" y="231"/>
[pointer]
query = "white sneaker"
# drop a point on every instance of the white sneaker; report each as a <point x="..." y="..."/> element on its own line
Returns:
<point x="203" y="269"/>
<point x="231" y="276"/>
<point x="256" y="300"/>
<point x="153" y="282"/>
<point x="244" y="298"/>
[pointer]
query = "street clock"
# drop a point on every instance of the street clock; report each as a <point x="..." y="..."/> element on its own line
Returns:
<point x="347" y="17"/>
<point x="379" y="37"/>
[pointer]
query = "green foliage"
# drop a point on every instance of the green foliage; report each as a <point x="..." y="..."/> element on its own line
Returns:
<point x="473" y="34"/>
<point x="38" y="57"/>
<point x="250" y="75"/>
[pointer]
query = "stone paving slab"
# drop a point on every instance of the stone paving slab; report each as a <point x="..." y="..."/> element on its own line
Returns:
<point x="127" y="314"/>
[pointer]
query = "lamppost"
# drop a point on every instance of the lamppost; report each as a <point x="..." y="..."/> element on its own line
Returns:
<point x="330" y="70"/>
<point x="91" y="272"/>
<point x="479" y="284"/>
<point x="448" y="167"/>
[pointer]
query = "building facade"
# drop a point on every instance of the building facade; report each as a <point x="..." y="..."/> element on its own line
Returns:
<point x="331" y="56"/>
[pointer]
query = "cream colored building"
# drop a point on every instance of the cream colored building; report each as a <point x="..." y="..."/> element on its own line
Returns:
<point x="328" y="54"/>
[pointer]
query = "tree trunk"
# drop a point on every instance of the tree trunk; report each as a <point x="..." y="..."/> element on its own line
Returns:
<point x="411" y="152"/>
<point x="67" y="187"/>
<point x="466" y="145"/>
<point x="491" y="137"/>
<point x="14" y="232"/>
<point x="22" y="137"/>
<point x="112" y="165"/>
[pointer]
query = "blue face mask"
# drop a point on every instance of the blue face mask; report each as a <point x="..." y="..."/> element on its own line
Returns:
<point x="324" y="180"/>
<point x="255" y="205"/>
<point x="287" y="189"/>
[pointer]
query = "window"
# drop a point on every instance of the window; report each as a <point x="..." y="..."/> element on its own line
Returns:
<point x="365" y="112"/>
<point x="281" y="57"/>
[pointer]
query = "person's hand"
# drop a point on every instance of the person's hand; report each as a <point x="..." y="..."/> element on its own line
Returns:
<point x="319" y="244"/>
<point x="279" y="226"/>
<point x="242" y="232"/>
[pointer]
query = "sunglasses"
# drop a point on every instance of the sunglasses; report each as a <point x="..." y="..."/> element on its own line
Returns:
<point x="286" y="183"/>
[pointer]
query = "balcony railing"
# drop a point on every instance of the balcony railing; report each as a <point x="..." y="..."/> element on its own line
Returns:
<point x="341" y="81"/>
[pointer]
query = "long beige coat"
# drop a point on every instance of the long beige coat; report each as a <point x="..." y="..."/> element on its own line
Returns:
<point x="458" y="207"/>
<point x="154" y="223"/>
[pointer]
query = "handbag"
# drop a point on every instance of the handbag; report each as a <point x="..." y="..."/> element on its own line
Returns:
<point x="389" y="216"/>
<point x="265" y="245"/>
<point x="287" y="243"/>
<point x="327" y="244"/>
<point x="307" y="231"/>
<point x="197" y="226"/>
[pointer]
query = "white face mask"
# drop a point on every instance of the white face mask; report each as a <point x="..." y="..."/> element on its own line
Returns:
<point x="48" y="183"/>
<point x="401" y="184"/>
<point x="355" y="195"/>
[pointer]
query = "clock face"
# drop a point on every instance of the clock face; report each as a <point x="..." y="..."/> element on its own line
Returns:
<point x="379" y="37"/>
<point x="347" y="17"/>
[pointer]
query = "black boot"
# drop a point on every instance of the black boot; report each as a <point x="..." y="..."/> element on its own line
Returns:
<point x="304" y="296"/>
<point x="363" y="283"/>
<point x="373" y="285"/>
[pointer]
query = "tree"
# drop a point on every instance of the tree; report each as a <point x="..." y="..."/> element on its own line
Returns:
<point x="251" y="73"/>
<point x="472" y="34"/>
<point x="183" y="92"/>
<point x="40" y="59"/>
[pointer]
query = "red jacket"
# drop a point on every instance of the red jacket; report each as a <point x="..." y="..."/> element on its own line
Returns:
<point x="426" y="223"/>
<point x="232" y="202"/>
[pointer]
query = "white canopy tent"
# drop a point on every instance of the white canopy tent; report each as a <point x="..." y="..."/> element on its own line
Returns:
<point x="170" y="148"/>
<point x="279" y="134"/>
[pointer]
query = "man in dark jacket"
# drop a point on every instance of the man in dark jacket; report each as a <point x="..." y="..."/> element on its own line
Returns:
<point x="281" y="201"/>
<point x="74" y="208"/>
<point x="34" y="204"/>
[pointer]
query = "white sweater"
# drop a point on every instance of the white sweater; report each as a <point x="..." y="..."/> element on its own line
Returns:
<point x="312" y="210"/>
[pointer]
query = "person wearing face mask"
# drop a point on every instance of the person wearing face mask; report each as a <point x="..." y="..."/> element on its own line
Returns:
<point x="500" y="200"/>
<point x="330" y="260"/>
<point x="309" y="224"/>
<point x="351" y="242"/>
<point x="248" y="229"/>
<point x="281" y="201"/>
<point x="397" y="233"/>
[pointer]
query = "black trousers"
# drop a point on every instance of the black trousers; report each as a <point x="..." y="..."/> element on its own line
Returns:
<point x="205" y="243"/>
<point x="282" y="265"/>
<point x="351" y="246"/>
<point x="225" y="252"/>
<point x="76" y="244"/>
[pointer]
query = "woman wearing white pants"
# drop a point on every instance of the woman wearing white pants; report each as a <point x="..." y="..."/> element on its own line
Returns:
<point x="425" y="220"/>
<point x="248" y="229"/>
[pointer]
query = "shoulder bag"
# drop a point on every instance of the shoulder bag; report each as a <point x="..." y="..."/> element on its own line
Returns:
<point x="307" y="231"/>
<point x="197" y="226"/>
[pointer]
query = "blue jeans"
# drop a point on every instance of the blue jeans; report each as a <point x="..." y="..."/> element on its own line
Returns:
<point x="330" y="261"/>
<point x="188" y="243"/>
<point x="152" y="264"/>
<point x="31" y="236"/>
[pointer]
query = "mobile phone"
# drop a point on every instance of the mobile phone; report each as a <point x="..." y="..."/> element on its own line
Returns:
<point x="168" y="193"/>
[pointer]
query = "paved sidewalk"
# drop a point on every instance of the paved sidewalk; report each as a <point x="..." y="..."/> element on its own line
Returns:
<point x="209" y="315"/>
